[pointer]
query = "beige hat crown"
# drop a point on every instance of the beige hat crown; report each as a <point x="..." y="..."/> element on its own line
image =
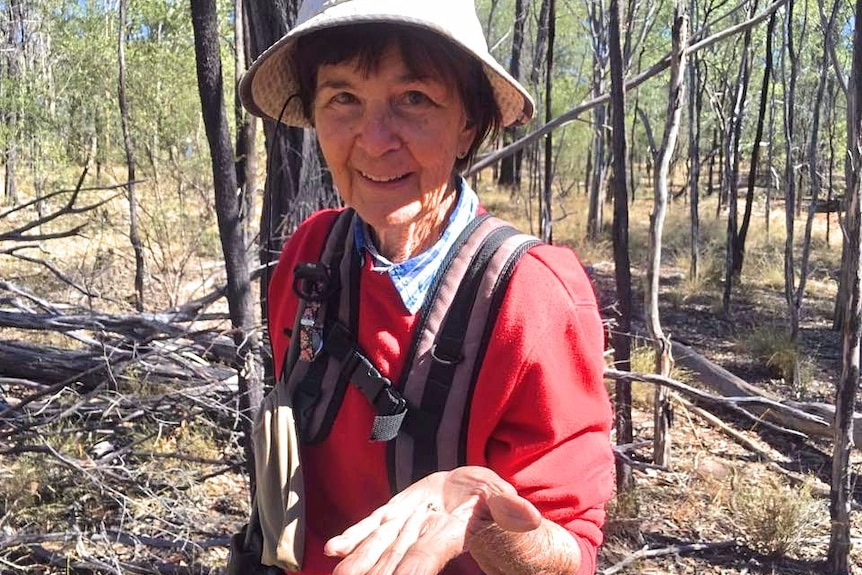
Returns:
<point x="271" y="81"/>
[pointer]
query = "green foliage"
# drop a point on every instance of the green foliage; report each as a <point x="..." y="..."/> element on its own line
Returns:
<point x="65" y="95"/>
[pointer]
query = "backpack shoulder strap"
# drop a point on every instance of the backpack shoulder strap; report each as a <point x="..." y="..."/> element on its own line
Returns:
<point x="331" y="253"/>
<point x="320" y="294"/>
<point x="449" y="346"/>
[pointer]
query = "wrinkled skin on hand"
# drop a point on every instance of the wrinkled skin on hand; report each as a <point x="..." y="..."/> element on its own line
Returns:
<point x="430" y="523"/>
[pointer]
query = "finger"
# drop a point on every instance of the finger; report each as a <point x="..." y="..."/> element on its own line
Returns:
<point x="341" y="545"/>
<point x="513" y="513"/>
<point x="409" y="534"/>
<point x="502" y="504"/>
<point x="441" y="541"/>
<point x="364" y="556"/>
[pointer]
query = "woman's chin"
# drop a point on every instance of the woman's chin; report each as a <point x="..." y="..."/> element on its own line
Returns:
<point x="385" y="220"/>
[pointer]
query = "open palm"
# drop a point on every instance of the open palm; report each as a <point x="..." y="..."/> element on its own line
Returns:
<point x="431" y="522"/>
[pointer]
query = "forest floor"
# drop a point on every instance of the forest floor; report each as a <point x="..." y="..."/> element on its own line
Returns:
<point x="753" y="518"/>
<point x="720" y="508"/>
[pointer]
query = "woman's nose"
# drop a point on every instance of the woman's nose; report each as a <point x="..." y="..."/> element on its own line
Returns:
<point x="378" y="132"/>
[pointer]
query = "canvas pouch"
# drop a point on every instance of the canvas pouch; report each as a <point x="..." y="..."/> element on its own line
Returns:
<point x="279" y="497"/>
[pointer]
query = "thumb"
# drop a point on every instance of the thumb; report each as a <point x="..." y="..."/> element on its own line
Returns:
<point x="512" y="512"/>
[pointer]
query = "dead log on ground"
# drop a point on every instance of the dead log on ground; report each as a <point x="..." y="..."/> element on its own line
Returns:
<point x="53" y="365"/>
<point x="783" y="413"/>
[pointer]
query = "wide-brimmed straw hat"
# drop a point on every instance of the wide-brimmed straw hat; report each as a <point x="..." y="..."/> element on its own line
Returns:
<point x="271" y="81"/>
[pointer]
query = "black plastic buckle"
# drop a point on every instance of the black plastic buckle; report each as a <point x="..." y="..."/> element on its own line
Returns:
<point x="313" y="281"/>
<point x="390" y="402"/>
<point x="377" y="388"/>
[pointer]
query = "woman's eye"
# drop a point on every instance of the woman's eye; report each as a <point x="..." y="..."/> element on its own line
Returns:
<point x="344" y="98"/>
<point x="415" y="97"/>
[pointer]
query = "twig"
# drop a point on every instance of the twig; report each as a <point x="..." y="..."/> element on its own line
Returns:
<point x="634" y="463"/>
<point x="671" y="550"/>
<point x="821" y="490"/>
<point x="728" y="402"/>
<point x="27" y="294"/>
<point x="59" y="274"/>
<point x="630" y="84"/>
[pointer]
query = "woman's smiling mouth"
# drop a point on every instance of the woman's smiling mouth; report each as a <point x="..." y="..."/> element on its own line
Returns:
<point x="383" y="179"/>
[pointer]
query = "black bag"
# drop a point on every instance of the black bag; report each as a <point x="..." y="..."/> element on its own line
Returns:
<point x="246" y="546"/>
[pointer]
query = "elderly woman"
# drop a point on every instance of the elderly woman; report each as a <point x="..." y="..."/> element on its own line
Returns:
<point x="401" y="94"/>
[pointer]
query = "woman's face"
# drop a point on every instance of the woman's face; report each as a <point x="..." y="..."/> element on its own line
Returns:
<point x="390" y="138"/>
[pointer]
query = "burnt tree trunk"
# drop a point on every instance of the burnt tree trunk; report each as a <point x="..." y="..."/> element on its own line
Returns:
<point x="739" y="254"/>
<point x="286" y="202"/>
<point x="547" y="222"/>
<point x="245" y="163"/>
<point x="240" y="295"/>
<point x="510" y="166"/>
<point x="134" y="234"/>
<point x="694" y="104"/>
<point x="620" y="231"/>
<point x="731" y="165"/>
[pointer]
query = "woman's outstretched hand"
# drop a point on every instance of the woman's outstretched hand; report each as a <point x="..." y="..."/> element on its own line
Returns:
<point x="430" y="523"/>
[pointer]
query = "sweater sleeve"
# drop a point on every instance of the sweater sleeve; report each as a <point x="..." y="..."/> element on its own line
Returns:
<point x="540" y="416"/>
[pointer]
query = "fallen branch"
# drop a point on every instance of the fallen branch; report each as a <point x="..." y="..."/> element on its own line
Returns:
<point x="795" y="478"/>
<point x="731" y="403"/>
<point x="671" y="550"/>
<point x="117" y="567"/>
<point x="811" y="419"/>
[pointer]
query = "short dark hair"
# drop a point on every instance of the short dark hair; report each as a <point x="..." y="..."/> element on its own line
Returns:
<point x="421" y="49"/>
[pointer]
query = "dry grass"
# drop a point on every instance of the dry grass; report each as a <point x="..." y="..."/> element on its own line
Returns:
<point x="775" y="518"/>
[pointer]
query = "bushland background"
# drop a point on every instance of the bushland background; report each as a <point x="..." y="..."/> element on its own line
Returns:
<point x="702" y="157"/>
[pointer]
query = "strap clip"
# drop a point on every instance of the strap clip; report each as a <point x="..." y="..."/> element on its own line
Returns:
<point x="313" y="281"/>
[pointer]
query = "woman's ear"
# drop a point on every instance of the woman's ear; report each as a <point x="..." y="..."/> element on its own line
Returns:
<point x="466" y="138"/>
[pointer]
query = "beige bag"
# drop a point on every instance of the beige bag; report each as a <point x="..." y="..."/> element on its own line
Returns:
<point x="279" y="496"/>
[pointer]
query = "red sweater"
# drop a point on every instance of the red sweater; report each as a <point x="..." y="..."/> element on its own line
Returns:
<point x="540" y="416"/>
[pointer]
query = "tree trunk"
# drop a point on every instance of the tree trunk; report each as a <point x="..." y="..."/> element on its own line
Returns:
<point x="622" y="265"/>
<point x="710" y="176"/>
<point x="676" y="97"/>
<point x="731" y="165"/>
<point x="841" y="488"/>
<point x="694" y="103"/>
<point x="10" y="114"/>
<point x="510" y="166"/>
<point x="770" y="164"/>
<point x="246" y="164"/>
<point x="286" y="202"/>
<point x="228" y="211"/>
<point x="719" y="139"/>
<point x="595" y="215"/>
<point x="633" y="158"/>
<point x="491" y="11"/>
<point x="739" y="255"/>
<point x="789" y="80"/>
<point x="830" y="188"/>
<point x="547" y="219"/>
<point x="541" y="41"/>
<point x="814" y="179"/>
<point x="134" y="235"/>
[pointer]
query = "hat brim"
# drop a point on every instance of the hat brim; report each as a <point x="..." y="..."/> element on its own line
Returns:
<point x="270" y="88"/>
